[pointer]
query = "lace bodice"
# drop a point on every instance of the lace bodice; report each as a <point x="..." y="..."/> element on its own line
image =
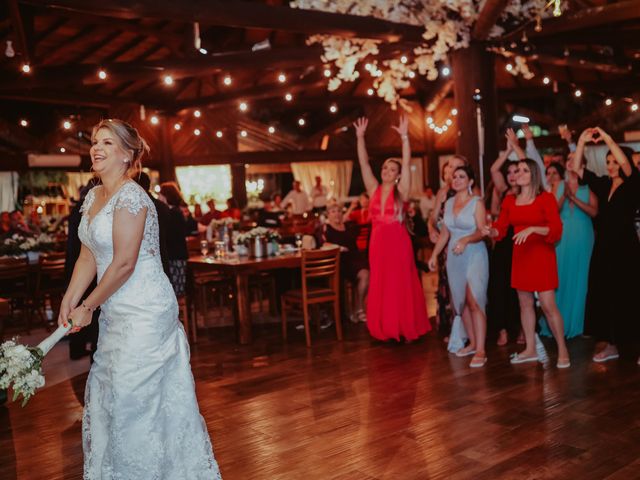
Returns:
<point x="96" y="232"/>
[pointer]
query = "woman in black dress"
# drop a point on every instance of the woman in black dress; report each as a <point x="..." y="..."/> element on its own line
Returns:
<point x="503" y="309"/>
<point x="612" y="298"/>
<point x="354" y="263"/>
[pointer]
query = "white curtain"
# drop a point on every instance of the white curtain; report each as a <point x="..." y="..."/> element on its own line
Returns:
<point x="8" y="191"/>
<point x="336" y="176"/>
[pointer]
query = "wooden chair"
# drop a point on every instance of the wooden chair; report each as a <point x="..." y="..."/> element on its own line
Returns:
<point x="5" y="311"/>
<point x="50" y="285"/>
<point x="322" y="265"/>
<point x="16" y="286"/>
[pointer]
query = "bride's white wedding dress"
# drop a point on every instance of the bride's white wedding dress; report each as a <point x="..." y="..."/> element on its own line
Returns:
<point x="141" y="419"/>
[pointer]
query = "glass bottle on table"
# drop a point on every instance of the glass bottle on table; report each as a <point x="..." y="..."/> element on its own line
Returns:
<point x="204" y="247"/>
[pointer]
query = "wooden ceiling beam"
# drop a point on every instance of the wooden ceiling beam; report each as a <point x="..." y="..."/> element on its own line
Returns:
<point x="54" y="97"/>
<point x="59" y="52"/>
<point x="24" y="33"/>
<point x="244" y="14"/>
<point x="487" y="19"/>
<point x="588" y="18"/>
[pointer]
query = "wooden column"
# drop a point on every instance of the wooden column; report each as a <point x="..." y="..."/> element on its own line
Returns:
<point x="167" y="167"/>
<point x="474" y="68"/>
<point x="430" y="165"/>
<point x="238" y="186"/>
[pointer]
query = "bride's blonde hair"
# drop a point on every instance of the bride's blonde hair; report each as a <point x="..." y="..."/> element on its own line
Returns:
<point x="128" y="139"/>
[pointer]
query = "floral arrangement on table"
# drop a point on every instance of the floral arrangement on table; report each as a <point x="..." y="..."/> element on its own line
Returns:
<point x="20" y="244"/>
<point x="269" y="234"/>
<point x="448" y="25"/>
<point x="21" y="366"/>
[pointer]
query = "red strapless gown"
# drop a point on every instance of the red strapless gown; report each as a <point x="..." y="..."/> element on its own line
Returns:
<point x="396" y="305"/>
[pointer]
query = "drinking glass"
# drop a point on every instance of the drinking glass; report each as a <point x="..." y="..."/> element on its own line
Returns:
<point x="299" y="240"/>
<point x="220" y="250"/>
<point x="204" y="247"/>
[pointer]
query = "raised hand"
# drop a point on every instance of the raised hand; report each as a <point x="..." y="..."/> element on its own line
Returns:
<point x="512" y="138"/>
<point x="587" y="136"/>
<point x="599" y="134"/>
<point x="361" y="126"/>
<point x="403" y="126"/>
<point x="528" y="134"/>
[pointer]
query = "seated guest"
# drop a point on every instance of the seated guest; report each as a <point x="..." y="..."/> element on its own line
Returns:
<point x="5" y="224"/>
<point x="276" y="204"/>
<point x="298" y="200"/>
<point x="19" y="224"/>
<point x="358" y="213"/>
<point x="212" y="214"/>
<point x="232" y="210"/>
<point x="354" y="264"/>
<point x="319" y="195"/>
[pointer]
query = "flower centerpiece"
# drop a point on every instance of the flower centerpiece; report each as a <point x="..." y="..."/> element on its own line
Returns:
<point x="260" y="241"/>
<point x="448" y="26"/>
<point x="21" y="366"/>
<point x="20" y="244"/>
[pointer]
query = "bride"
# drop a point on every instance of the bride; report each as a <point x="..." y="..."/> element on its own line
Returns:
<point x="141" y="417"/>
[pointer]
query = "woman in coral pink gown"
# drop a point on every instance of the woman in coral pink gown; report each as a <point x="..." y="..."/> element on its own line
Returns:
<point x="396" y="305"/>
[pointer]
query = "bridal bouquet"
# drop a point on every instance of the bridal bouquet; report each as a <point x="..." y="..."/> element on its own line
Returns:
<point x="21" y="366"/>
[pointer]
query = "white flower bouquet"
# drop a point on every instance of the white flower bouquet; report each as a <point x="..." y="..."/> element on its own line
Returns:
<point x="21" y="366"/>
<point x="268" y="233"/>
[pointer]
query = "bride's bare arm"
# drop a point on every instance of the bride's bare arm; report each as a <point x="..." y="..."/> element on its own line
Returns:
<point x="128" y="230"/>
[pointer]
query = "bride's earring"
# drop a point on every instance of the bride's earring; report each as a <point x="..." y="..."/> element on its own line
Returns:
<point x="125" y="160"/>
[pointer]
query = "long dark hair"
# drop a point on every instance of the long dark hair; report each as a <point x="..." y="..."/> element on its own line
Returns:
<point x="171" y="192"/>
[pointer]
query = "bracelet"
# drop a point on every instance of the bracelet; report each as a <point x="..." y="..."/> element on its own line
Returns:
<point x="404" y="137"/>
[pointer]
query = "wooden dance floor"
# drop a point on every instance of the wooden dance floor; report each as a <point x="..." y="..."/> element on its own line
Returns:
<point x="363" y="410"/>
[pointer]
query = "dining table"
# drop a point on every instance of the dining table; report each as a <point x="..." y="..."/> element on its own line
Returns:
<point x="239" y="269"/>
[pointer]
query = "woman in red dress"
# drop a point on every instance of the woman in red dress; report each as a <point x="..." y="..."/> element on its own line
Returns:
<point x="534" y="215"/>
<point x="396" y="305"/>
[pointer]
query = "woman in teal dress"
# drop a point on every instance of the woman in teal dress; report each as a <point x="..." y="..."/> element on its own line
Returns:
<point x="577" y="206"/>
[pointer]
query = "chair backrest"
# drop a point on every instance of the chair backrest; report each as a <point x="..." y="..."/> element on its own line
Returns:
<point x="14" y="268"/>
<point x="321" y="264"/>
<point x="50" y="272"/>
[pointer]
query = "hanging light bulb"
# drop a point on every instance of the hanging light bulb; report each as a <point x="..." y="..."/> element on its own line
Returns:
<point x="546" y="80"/>
<point x="9" y="51"/>
<point x="608" y="102"/>
<point x="197" y="132"/>
<point x="24" y="123"/>
<point x="327" y="72"/>
<point x="538" y="27"/>
<point x="243" y="107"/>
<point x="168" y="80"/>
<point x="219" y="134"/>
<point x="196" y="113"/>
<point x="282" y="78"/>
<point x="429" y="120"/>
<point x="446" y="71"/>
<point x="509" y="67"/>
<point x="454" y="111"/>
<point x="26" y="68"/>
<point x="301" y="122"/>
<point x="66" y="125"/>
<point x="243" y="133"/>
<point x="155" y="120"/>
<point x="578" y="93"/>
<point x="288" y="97"/>
<point x="404" y="59"/>
<point x="333" y="108"/>
<point x="227" y="80"/>
<point x="370" y="92"/>
<point x="102" y="75"/>
<point x="177" y="126"/>
<point x="272" y="129"/>
<point x="634" y="107"/>
<point x="411" y="74"/>
<point x="63" y="150"/>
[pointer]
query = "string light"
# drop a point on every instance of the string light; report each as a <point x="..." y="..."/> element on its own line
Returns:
<point x="196" y="113"/>
<point x="203" y="51"/>
<point x="448" y="122"/>
<point x="370" y="92"/>
<point x="196" y="132"/>
<point x="62" y="149"/>
<point x="219" y="134"/>
<point x="102" y="75"/>
<point x="327" y="72"/>
<point x="243" y="134"/>
<point x="333" y="108"/>
<point x="446" y="71"/>
<point x="429" y="120"/>
<point x="608" y="102"/>
<point x="509" y="67"/>
<point x="634" y="107"/>
<point x="26" y="68"/>
<point x="404" y="59"/>
<point x="454" y="111"/>
<point x="66" y="125"/>
<point x="227" y="80"/>
<point x="288" y="97"/>
<point x="301" y="122"/>
<point x="177" y="126"/>
<point x="24" y="123"/>
<point x="578" y="93"/>
<point x="272" y="129"/>
<point x="411" y="74"/>
<point x="367" y="67"/>
<point x="546" y="80"/>
<point x="243" y="106"/>
<point x="155" y="120"/>
<point x="282" y="78"/>
<point x="168" y="80"/>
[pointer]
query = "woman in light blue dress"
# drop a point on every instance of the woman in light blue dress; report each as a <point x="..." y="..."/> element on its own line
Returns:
<point x="467" y="263"/>
<point x="577" y="207"/>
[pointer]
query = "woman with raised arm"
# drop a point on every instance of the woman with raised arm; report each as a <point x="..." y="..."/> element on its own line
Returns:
<point x="612" y="298"/>
<point x="467" y="260"/>
<point x="503" y="310"/>
<point x="141" y="417"/>
<point x="396" y="306"/>
<point x="578" y="205"/>
<point x="533" y="213"/>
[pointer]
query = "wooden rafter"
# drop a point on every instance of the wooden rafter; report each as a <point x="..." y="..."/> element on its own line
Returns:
<point x="487" y="19"/>
<point x="25" y="43"/>
<point x="243" y="14"/>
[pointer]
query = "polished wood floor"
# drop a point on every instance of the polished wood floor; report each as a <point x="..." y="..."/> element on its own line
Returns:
<point x="367" y="410"/>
